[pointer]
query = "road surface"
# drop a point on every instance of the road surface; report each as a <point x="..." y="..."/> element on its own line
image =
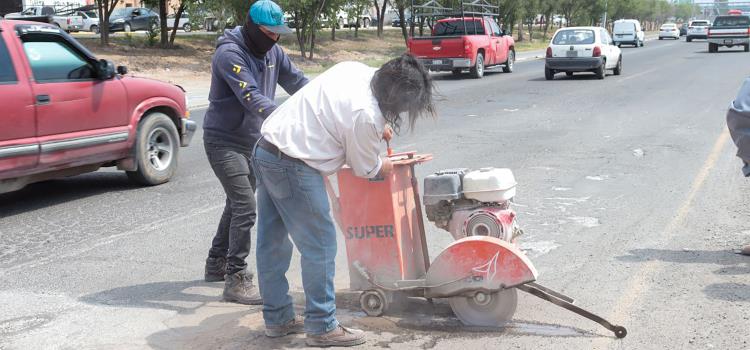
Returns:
<point x="629" y="193"/>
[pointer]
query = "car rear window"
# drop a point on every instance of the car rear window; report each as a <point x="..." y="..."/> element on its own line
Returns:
<point x="700" y="23"/>
<point x="732" y="21"/>
<point x="457" y="28"/>
<point x="7" y="73"/>
<point x="668" y="26"/>
<point x="574" y="37"/>
<point x="624" y="27"/>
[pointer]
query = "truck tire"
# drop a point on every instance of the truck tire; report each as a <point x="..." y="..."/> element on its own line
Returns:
<point x="365" y="23"/>
<point x="549" y="74"/>
<point x="688" y="39"/>
<point x="156" y="148"/>
<point x="568" y="74"/>
<point x="95" y="29"/>
<point x="747" y="48"/>
<point x="457" y="72"/>
<point x="713" y="47"/>
<point x="187" y="27"/>
<point x="510" y="63"/>
<point x="478" y="70"/>
<point x="618" y="67"/>
<point x="601" y="72"/>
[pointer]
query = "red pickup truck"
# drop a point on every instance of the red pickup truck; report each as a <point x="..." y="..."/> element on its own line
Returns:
<point x="472" y="43"/>
<point x="65" y="113"/>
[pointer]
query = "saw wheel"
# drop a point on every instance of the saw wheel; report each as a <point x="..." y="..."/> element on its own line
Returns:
<point x="485" y="309"/>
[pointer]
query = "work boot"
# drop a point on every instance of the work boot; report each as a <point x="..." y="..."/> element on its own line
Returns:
<point x="295" y="326"/>
<point x="745" y="250"/>
<point x="341" y="336"/>
<point x="216" y="268"/>
<point x="239" y="288"/>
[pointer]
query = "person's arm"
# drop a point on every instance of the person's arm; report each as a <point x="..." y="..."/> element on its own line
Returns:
<point x="290" y="78"/>
<point x="362" y="148"/>
<point x="240" y="78"/>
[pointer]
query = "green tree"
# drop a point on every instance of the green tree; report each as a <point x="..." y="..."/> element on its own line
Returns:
<point x="354" y="10"/>
<point x="105" y="9"/>
<point x="380" y="10"/>
<point x="547" y="8"/>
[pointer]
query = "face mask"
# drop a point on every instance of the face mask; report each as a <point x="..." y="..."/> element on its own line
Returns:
<point x="257" y="42"/>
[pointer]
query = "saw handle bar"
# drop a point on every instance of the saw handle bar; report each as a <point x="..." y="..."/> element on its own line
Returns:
<point x="554" y="298"/>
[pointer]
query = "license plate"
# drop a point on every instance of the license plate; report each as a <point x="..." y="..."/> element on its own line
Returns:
<point x="437" y="62"/>
<point x="727" y="41"/>
<point x="571" y="54"/>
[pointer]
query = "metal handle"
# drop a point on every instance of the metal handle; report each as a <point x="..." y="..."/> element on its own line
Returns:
<point x="43" y="99"/>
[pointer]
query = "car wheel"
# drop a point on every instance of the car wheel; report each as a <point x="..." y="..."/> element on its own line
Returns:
<point x="713" y="47"/>
<point x="549" y="74"/>
<point x="618" y="67"/>
<point x="747" y="48"/>
<point x="457" y="72"/>
<point x="660" y="38"/>
<point x="619" y="45"/>
<point x="127" y="28"/>
<point x="478" y="70"/>
<point x="569" y="74"/>
<point x="688" y="39"/>
<point x="187" y="28"/>
<point x="156" y="148"/>
<point x="643" y="43"/>
<point x="365" y="23"/>
<point x="601" y="72"/>
<point x="94" y="29"/>
<point x="154" y="26"/>
<point x="510" y="63"/>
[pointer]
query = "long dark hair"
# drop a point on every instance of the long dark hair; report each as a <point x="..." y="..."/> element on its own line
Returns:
<point x="403" y="85"/>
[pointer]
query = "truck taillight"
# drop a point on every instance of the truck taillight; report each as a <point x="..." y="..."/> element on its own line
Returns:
<point x="68" y="20"/>
<point x="597" y="51"/>
<point x="549" y="51"/>
<point x="708" y="32"/>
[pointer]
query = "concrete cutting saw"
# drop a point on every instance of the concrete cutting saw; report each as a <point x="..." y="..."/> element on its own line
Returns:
<point x="479" y="273"/>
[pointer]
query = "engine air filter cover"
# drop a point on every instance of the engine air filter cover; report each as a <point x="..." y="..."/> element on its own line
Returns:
<point x="443" y="185"/>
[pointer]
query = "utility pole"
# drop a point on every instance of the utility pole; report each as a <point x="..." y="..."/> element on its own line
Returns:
<point x="604" y="19"/>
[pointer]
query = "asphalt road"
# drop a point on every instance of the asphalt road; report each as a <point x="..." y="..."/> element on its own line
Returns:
<point x="629" y="192"/>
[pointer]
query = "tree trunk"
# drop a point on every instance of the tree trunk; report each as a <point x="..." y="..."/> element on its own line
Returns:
<point x="314" y="26"/>
<point x="531" y="31"/>
<point x="176" y="22"/>
<point x="103" y="24"/>
<point x="380" y="11"/>
<point x="333" y="32"/>
<point x="402" y="18"/>
<point x="520" y="31"/>
<point x="546" y="26"/>
<point x="312" y="42"/>
<point x="300" y="34"/>
<point x="163" y="23"/>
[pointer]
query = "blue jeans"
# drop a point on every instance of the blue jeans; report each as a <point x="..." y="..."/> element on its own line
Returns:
<point x="292" y="202"/>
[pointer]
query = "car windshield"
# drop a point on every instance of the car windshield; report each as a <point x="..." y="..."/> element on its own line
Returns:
<point x="120" y="13"/>
<point x="456" y="27"/>
<point x="574" y="37"/>
<point x="732" y="21"/>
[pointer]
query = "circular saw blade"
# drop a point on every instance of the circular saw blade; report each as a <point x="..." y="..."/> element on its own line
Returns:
<point x="491" y="311"/>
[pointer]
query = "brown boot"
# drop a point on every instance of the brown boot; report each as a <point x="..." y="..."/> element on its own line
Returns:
<point x="239" y="288"/>
<point x="341" y="336"/>
<point x="295" y="326"/>
<point x="745" y="250"/>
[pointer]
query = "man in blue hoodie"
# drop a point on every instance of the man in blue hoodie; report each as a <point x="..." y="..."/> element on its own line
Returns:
<point x="245" y="69"/>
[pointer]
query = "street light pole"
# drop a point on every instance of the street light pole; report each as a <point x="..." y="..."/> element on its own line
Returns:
<point x="604" y="19"/>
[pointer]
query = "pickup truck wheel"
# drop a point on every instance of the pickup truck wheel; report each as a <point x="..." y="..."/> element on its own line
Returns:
<point x="568" y="74"/>
<point x="713" y="47"/>
<point x="127" y="28"/>
<point x="365" y="23"/>
<point x="95" y="29"/>
<point x="747" y="48"/>
<point x="510" y="63"/>
<point x="688" y="39"/>
<point x="478" y="70"/>
<point x="187" y="28"/>
<point x="156" y="148"/>
<point x="457" y="72"/>
<point x="549" y="74"/>
<point x="618" y="67"/>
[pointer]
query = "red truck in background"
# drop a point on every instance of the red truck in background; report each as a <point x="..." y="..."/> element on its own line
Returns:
<point x="65" y="113"/>
<point x="457" y="44"/>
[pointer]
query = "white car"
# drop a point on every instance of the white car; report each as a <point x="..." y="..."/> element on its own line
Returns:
<point x="90" y="21"/>
<point x="582" y="49"/>
<point x="628" y="31"/>
<point x="669" y="30"/>
<point x="697" y="29"/>
<point x="184" y="22"/>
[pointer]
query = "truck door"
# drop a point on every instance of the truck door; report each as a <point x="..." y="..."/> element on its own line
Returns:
<point x="19" y="148"/>
<point x="80" y="117"/>
<point x="500" y="43"/>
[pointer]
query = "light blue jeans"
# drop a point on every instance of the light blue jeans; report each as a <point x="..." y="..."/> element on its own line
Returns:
<point x="292" y="201"/>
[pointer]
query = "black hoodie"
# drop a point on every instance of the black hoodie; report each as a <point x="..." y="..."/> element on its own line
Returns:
<point x="243" y="88"/>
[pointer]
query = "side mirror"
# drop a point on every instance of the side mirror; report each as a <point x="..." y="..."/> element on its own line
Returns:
<point x="105" y="70"/>
<point x="122" y="70"/>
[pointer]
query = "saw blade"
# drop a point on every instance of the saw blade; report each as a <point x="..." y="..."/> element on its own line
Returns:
<point x="486" y="310"/>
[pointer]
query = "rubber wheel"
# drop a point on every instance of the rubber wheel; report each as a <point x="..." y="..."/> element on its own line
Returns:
<point x="660" y="38"/>
<point x="457" y="72"/>
<point x="187" y="28"/>
<point x="373" y="302"/>
<point x="618" y="67"/>
<point x="713" y="48"/>
<point x="643" y="43"/>
<point x="485" y="310"/>
<point x="510" y="63"/>
<point x="365" y="23"/>
<point x="478" y="70"/>
<point x="127" y="28"/>
<point x="601" y="72"/>
<point x="95" y="29"/>
<point x="619" y="45"/>
<point x="747" y="48"/>
<point x="549" y="74"/>
<point x="689" y="39"/>
<point x="156" y="149"/>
